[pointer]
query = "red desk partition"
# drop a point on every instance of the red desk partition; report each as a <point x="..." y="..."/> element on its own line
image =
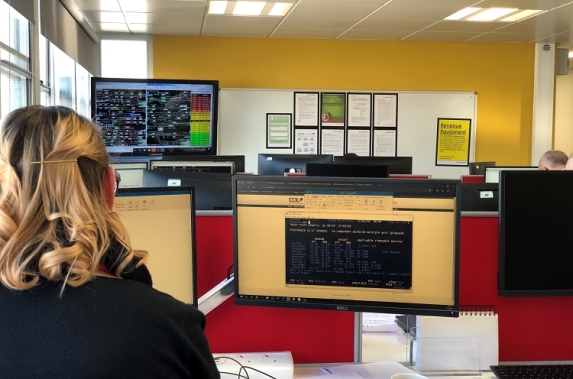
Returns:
<point x="312" y="336"/>
<point x="530" y="328"/>
<point x="472" y="178"/>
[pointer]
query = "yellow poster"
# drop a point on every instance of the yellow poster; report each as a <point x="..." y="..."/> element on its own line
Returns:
<point x="453" y="142"/>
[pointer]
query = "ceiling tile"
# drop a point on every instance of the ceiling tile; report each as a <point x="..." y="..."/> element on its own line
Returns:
<point x="523" y="4"/>
<point x="306" y="33"/>
<point x="93" y="16"/>
<point x="392" y="25"/>
<point x="384" y="35"/>
<point x="346" y="10"/>
<point x="98" y="5"/>
<point x="175" y="30"/>
<point x="317" y="23"/>
<point x="243" y="26"/>
<point x="106" y="27"/>
<point x="435" y="3"/>
<point x="169" y="6"/>
<point x="441" y="36"/>
<point x="465" y="26"/>
<point x="162" y="18"/>
<point x="505" y="37"/>
<point x="421" y="13"/>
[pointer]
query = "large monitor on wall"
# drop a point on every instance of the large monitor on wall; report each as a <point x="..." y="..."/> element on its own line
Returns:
<point x="353" y="244"/>
<point x="162" y="221"/>
<point x="535" y="239"/>
<point x="282" y="164"/>
<point x="156" y="116"/>
<point x="396" y="165"/>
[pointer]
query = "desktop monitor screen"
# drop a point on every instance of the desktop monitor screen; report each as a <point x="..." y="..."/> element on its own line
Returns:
<point x="193" y="165"/>
<point x="130" y="174"/>
<point x="162" y="221"/>
<point x="156" y="116"/>
<point x="535" y="239"/>
<point x="478" y="168"/>
<point x="282" y="164"/>
<point x="356" y="244"/>
<point x="213" y="191"/>
<point x="492" y="173"/>
<point x="396" y="165"/>
<point x="346" y="170"/>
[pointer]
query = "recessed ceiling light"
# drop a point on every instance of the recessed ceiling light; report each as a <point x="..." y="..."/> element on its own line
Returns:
<point x="521" y="15"/>
<point x="280" y="9"/>
<point x="463" y="13"/>
<point x="491" y="14"/>
<point x="249" y="8"/>
<point x="217" y="7"/>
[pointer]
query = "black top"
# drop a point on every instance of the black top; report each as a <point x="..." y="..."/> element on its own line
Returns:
<point x="108" y="328"/>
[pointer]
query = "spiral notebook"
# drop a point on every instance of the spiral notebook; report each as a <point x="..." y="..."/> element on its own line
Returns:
<point x="466" y="343"/>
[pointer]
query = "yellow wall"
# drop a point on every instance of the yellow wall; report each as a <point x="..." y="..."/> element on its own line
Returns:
<point x="501" y="74"/>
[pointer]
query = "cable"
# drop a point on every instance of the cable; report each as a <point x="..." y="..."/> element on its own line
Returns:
<point x="241" y="368"/>
<point x="231" y="267"/>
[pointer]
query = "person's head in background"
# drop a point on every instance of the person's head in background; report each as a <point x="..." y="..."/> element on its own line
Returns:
<point x="569" y="164"/>
<point x="553" y="160"/>
<point x="56" y="193"/>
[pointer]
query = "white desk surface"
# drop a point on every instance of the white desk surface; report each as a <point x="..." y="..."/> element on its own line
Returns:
<point x="311" y="371"/>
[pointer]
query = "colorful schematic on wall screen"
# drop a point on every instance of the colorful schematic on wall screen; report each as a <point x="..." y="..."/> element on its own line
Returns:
<point x="156" y="115"/>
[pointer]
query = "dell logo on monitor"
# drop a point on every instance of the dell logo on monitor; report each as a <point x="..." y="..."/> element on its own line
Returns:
<point x="295" y="199"/>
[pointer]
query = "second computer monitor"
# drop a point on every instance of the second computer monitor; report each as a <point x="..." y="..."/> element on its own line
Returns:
<point x="346" y="170"/>
<point x="396" y="165"/>
<point x="492" y="173"/>
<point x="283" y="164"/>
<point x="478" y="168"/>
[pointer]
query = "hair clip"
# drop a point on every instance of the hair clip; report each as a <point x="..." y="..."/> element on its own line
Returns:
<point x="58" y="161"/>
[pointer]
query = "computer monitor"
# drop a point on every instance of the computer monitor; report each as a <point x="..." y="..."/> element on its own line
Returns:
<point x="535" y="239"/>
<point x="131" y="173"/>
<point x="345" y="170"/>
<point x="492" y="172"/>
<point x="281" y="164"/>
<point x="193" y="166"/>
<point x="396" y="165"/>
<point x="478" y="168"/>
<point x="162" y="221"/>
<point x="156" y="116"/>
<point x="479" y="197"/>
<point x="352" y="244"/>
<point x="213" y="190"/>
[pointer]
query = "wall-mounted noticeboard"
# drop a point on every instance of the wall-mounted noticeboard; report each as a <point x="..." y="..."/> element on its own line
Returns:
<point x="243" y="122"/>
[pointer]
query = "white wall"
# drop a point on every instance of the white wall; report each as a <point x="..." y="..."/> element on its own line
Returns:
<point x="563" y="138"/>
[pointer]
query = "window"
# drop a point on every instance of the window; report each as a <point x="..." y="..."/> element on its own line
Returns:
<point x="15" y="75"/>
<point x="124" y="59"/>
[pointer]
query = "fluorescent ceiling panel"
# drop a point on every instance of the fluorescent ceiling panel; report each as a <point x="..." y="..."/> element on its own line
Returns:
<point x="491" y="14"/>
<point x="461" y="14"/>
<point x="217" y="7"/>
<point x="249" y="8"/>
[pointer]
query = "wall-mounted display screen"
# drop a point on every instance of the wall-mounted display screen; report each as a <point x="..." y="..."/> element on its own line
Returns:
<point x="156" y="116"/>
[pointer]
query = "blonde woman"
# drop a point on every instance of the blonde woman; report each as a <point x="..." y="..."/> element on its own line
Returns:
<point x="76" y="300"/>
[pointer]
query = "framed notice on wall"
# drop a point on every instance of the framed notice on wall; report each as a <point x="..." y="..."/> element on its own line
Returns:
<point x="306" y="109"/>
<point x="453" y="142"/>
<point x="279" y="131"/>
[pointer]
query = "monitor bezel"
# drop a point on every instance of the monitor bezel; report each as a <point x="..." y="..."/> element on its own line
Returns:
<point x="357" y="306"/>
<point x="171" y="150"/>
<point x="380" y="160"/>
<point x="262" y="158"/>
<point x="190" y="190"/>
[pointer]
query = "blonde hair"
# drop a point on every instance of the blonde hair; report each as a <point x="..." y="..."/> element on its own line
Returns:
<point x="55" y="223"/>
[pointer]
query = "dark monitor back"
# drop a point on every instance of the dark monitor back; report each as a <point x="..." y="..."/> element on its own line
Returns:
<point x="346" y="170"/>
<point x="536" y="243"/>
<point x="479" y="197"/>
<point x="478" y="168"/>
<point x="281" y="164"/>
<point x="213" y="190"/>
<point x="396" y="165"/>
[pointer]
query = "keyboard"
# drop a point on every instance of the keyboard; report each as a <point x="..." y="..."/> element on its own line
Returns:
<point x="552" y="371"/>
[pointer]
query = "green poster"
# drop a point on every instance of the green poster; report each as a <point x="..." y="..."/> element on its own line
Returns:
<point x="333" y="108"/>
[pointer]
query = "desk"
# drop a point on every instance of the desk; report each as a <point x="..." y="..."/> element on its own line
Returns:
<point x="309" y="371"/>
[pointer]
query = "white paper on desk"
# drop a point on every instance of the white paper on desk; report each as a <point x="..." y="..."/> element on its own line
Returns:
<point x="349" y="375"/>
<point x="378" y="370"/>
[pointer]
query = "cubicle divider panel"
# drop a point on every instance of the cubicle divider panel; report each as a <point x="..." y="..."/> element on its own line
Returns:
<point x="530" y="328"/>
<point x="312" y="336"/>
